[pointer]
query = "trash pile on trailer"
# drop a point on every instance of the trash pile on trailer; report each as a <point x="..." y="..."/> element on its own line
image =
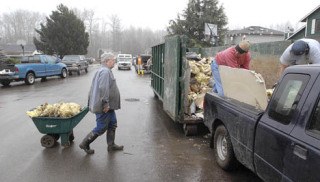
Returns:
<point x="61" y="110"/>
<point x="200" y="83"/>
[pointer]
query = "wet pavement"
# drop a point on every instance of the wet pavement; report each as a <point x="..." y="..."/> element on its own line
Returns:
<point x="155" y="148"/>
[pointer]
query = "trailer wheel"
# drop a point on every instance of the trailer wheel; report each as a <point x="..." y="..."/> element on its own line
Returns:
<point x="48" y="141"/>
<point x="30" y="78"/>
<point x="190" y="129"/>
<point x="223" y="150"/>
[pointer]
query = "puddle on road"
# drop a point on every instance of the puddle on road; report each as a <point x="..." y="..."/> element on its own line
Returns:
<point x="132" y="99"/>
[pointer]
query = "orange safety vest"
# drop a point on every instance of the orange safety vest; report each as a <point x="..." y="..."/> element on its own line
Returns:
<point x="139" y="61"/>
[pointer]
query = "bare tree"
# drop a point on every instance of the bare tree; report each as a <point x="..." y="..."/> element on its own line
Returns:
<point x="115" y="24"/>
<point x="20" y="24"/>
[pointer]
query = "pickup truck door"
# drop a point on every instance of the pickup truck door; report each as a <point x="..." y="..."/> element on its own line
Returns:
<point x="273" y="140"/>
<point x="36" y="64"/>
<point x="302" y="162"/>
<point x="51" y="66"/>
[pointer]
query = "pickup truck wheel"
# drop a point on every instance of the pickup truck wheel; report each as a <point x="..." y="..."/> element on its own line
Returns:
<point x="190" y="129"/>
<point x="30" y="78"/>
<point x="78" y="72"/>
<point x="5" y="82"/>
<point x="63" y="73"/>
<point x="86" y="70"/>
<point x="223" y="149"/>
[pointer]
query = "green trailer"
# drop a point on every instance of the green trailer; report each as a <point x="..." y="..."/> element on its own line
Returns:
<point x="170" y="78"/>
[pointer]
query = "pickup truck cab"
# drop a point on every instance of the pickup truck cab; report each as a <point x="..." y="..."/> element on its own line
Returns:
<point x="281" y="143"/>
<point x="30" y="68"/>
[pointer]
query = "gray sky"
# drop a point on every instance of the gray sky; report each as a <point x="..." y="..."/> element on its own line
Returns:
<point x="155" y="14"/>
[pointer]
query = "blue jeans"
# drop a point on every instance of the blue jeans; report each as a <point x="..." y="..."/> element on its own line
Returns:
<point x="217" y="87"/>
<point x="105" y="121"/>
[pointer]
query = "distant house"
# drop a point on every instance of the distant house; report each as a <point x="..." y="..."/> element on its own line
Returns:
<point x="312" y="27"/>
<point x="255" y="34"/>
<point x="14" y="49"/>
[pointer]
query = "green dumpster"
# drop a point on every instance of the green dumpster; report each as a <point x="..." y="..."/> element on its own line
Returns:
<point x="170" y="78"/>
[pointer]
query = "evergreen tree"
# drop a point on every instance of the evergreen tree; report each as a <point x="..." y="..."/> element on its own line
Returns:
<point x="194" y="17"/>
<point x="62" y="34"/>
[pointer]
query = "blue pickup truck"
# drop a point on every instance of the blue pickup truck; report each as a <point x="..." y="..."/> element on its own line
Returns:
<point x="31" y="67"/>
<point x="281" y="143"/>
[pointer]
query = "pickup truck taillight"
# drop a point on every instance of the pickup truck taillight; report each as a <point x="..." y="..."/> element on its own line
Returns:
<point x="16" y="69"/>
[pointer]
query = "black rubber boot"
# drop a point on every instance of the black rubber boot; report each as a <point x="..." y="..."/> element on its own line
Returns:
<point x="110" y="141"/>
<point x="86" y="142"/>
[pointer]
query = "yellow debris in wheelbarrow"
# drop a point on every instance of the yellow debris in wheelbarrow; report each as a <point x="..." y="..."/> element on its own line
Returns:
<point x="63" y="110"/>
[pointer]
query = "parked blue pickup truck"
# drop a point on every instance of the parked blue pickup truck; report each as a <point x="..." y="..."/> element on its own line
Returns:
<point x="30" y="68"/>
<point x="281" y="143"/>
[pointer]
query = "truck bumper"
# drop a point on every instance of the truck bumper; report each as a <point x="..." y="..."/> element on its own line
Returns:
<point x="72" y="68"/>
<point x="9" y="77"/>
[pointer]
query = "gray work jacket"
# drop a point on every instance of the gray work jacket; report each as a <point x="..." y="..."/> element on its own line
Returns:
<point x="103" y="91"/>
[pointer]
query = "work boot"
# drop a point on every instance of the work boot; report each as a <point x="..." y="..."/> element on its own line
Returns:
<point x="110" y="141"/>
<point x="86" y="142"/>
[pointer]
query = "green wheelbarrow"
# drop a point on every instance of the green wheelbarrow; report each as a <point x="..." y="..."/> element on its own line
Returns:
<point x="55" y="128"/>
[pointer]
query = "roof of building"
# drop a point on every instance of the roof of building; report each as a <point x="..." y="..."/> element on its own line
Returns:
<point x="17" y="48"/>
<point x="304" y="19"/>
<point x="255" y="30"/>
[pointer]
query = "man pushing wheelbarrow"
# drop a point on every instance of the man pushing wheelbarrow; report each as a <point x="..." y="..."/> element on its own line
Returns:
<point x="104" y="99"/>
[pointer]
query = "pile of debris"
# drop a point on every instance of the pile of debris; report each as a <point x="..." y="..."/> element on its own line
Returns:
<point x="200" y="83"/>
<point x="62" y="110"/>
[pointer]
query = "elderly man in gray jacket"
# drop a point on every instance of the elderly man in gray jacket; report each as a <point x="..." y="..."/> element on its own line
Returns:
<point x="104" y="99"/>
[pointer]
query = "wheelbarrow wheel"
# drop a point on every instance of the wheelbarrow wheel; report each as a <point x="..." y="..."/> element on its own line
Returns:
<point x="48" y="141"/>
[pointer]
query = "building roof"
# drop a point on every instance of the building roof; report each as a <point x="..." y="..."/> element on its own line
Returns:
<point x="11" y="48"/>
<point x="304" y="19"/>
<point x="255" y="30"/>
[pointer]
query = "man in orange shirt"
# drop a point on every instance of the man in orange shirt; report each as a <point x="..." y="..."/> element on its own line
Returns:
<point x="139" y="63"/>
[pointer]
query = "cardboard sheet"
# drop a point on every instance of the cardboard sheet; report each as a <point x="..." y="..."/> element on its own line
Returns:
<point x="244" y="85"/>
